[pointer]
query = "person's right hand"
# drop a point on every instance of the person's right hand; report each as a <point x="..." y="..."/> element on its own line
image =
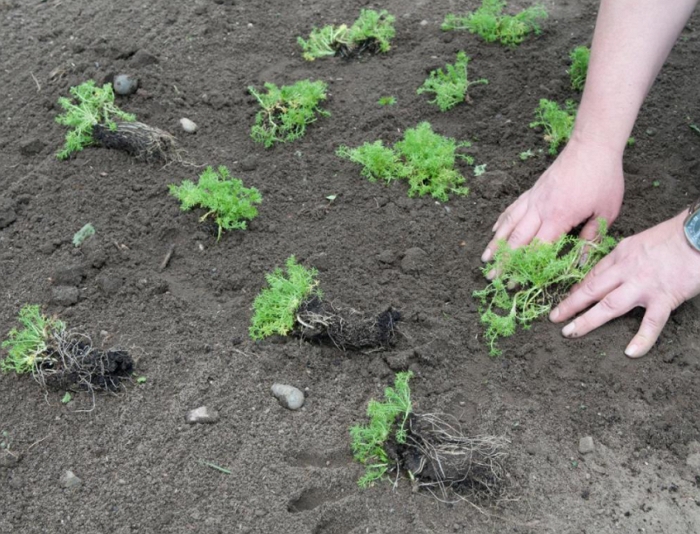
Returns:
<point x="583" y="184"/>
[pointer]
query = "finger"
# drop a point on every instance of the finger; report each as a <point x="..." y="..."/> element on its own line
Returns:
<point x="649" y="331"/>
<point x="548" y="232"/>
<point x="503" y="227"/>
<point x="616" y="303"/>
<point x="526" y="229"/>
<point x="589" y="232"/>
<point x="599" y="268"/>
<point x="595" y="287"/>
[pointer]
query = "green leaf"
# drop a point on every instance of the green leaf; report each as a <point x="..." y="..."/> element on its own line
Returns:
<point x="141" y="380"/>
<point x="67" y="397"/>
<point x="82" y="234"/>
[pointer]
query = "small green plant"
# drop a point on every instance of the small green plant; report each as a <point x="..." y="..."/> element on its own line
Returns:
<point x="27" y="346"/>
<point x="529" y="279"/>
<point x="526" y="155"/>
<point x="228" y="201"/>
<point x="81" y="235"/>
<point x="450" y="86"/>
<point x="89" y="106"/>
<point x="292" y="304"/>
<point x="286" y="111"/>
<point x="276" y="306"/>
<point x="489" y="22"/>
<point x="387" y="101"/>
<point x="557" y="122"/>
<point x="479" y="169"/>
<point x="372" y="32"/>
<point x="387" y="422"/>
<point x="580" y="56"/>
<point x="423" y="158"/>
<point x="67" y="397"/>
<point x="141" y="379"/>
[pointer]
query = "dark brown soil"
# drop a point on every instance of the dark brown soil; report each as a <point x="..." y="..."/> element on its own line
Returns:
<point x="186" y="324"/>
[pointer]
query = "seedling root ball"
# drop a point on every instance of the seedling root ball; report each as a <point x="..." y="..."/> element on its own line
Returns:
<point x="139" y="140"/>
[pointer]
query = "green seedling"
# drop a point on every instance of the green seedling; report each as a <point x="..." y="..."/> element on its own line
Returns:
<point x="388" y="421"/>
<point x="431" y="448"/>
<point x="479" y="169"/>
<point x="387" y="101"/>
<point x="372" y="32"/>
<point x="141" y="379"/>
<point x="655" y="183"/>
<point x="526" y="155"/>
<point x="580" y="56"/>
<point x="59" y="358"/>
<point x="81" y="235"/>
<point x="218" y="468"/>
<point x="695" y="128"/>
<point x="292" y="304"/>
<point x="528" y="280"/>
<point x="557" y="122"/>
<point x="28" y="346"/>
<point x="423" y="158"/>
<point x="67" y="397"/>
<point x="276" y="306"/>
<point x="489" y="22"/>
<point x="287" y="111"/>
<point x="228" y="202"/>
<point x="450" y="86"/>
<point x="89" y="106"/>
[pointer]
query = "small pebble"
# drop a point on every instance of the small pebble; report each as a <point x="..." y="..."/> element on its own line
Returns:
<point x="188" y="125"/>
<point x="288" y="396"/>
<point x="69" y="480"/>
<point x="586" y="445"/>
<point x="202" y="415"/>
<point x="125" y="84"/>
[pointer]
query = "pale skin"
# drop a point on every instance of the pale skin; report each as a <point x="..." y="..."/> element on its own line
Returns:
<point x="656" y="269"/>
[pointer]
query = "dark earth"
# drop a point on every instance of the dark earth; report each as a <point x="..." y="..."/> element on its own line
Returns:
<point x="143" y="468"/>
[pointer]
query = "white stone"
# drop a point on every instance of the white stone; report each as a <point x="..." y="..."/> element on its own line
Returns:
<point x="202" y="415"/>
<point x="586" y="445"/>
<point x="188" y="125"/>
<point x="69" y="480"/>
<point x="288" y="396"/>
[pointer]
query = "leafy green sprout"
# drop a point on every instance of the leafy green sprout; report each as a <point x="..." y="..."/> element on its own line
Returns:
<point x="526" y="155"/>
<point x="275" y="308"/>
<point x="489" y="22"/>
<point x="67" y="397"/>
<point x="557" y="122"/>
<point x="26" y="346"/>
<point x="81" y="235"/>
<point x="529" y="279"/>
<point x="423" y="158"/>
<point x="141" y="379"/>
<point x="387" y="421"/>
<point x="387" y="101"/>
<point x="580" y="57"/>
<point x="228" y="201"/>
<point x="372" y="28"/>
<point x="479" y="169"/>
<point x="450" y="86"/>
<point x="287" y="111"/>
<point x="88" y="106"/>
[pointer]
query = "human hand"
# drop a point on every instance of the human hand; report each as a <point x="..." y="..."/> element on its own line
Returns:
<point x="583" y="184"/>
<point x="657" y="270"/>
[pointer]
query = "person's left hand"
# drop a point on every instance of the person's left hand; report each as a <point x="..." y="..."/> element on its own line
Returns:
<point x="656" y="269"/>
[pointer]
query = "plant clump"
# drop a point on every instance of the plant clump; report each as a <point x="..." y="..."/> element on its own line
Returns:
<point x="58" y="358"/>
<point x="287" y="111"/>
<point x="227" y="200"/>
<point x="432" y="449"/>
<point x="580" y="56"/>
<point x="557" y="122"/>
<point x="450" y="86"/>
<point x="292" y="304"/>
<point x="423" y="158"/>
<point x="489" y="22"/>
<point x="372" y="32"/>
<point x="530" y="279"/>
<point x="96" y="120"/>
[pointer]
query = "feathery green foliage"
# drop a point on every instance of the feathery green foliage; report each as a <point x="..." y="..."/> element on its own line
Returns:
<point x="287" y="111"/>
<point x="368" y="441"/>
<point x="276" y="306"/>
<point x="372" y="28"/>
<point x="580" y="56"/>
<point x="529" y="279"/>
<point x="89" y="105"/>
<point x="489" y="22"/>
<point x="423" y="158"/>
<point x="227" y="200"/>
<point x="450" y="86"/>
<point x="558" y="123"/>
<point x="26" y="345"/>
<point x="387" y="101"/>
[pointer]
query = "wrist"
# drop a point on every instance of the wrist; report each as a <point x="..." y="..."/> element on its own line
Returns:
<point x="589" y="140"/>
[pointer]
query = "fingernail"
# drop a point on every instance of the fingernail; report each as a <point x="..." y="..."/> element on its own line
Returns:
<point x="487" y="255"/>
<point x="554" y="315"/>
<point x="491" y="275"/>
<point x="495" y="227"/>
<point x="632" y="351"/>
<point x="568" y="329"/>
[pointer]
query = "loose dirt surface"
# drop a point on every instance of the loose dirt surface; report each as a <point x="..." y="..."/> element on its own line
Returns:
<point x="186" y="325"/>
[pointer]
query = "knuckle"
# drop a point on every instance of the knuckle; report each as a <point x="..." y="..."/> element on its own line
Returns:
<point x="608" y="304"/>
